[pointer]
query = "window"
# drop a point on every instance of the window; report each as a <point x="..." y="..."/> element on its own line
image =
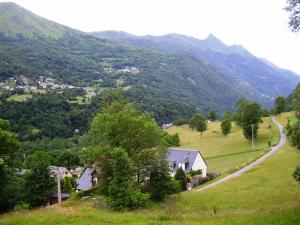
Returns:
<point x="186" y="165"/>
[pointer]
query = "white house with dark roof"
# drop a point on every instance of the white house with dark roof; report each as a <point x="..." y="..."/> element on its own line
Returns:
<point x="188" y="159"/>
<point x="88" y="179"/>
<point x="61" y="171"/>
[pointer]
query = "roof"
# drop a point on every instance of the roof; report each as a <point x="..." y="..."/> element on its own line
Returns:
<point x="176" y="156"/>
<point x="58" y="169"/>
<point x="85" y="181"/>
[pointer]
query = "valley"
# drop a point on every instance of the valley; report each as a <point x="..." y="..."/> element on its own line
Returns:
<point x="109" y="127"/>
<point x="266" y="194"/>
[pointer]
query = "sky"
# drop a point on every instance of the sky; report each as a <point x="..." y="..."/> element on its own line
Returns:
<point x="261" y="26"/>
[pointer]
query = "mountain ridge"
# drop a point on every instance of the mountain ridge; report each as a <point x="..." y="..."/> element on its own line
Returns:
<point x="168" y="76"/>
<point x="234" y="62"/>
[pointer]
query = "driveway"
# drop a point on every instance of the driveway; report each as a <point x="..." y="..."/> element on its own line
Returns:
<point x="251" y="165"/>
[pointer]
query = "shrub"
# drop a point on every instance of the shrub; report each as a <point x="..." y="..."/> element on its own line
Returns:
<point x="296" y="174"/>
<point x="22" y="206"/>
<point x="181" y="178"/>
<point x="180" y="122"/>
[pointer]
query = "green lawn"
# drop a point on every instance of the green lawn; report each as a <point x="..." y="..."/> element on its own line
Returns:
<point x="19" y="98"/>
<point x="224" y="154"/>
<point x="266" y="194"/>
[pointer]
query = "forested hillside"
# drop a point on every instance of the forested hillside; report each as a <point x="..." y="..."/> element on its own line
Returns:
<point x="156" y="81"/>
<point x="256" y="78"/>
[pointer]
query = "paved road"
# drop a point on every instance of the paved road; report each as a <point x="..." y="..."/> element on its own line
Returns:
<point x="251" y="165"/>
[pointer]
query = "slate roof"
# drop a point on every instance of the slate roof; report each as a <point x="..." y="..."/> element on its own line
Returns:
<point x="176" y="156"/>
<point x="59" y="169"/>
<point x="85" y="181"/>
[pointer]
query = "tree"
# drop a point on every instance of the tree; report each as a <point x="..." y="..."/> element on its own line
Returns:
<point x="66" y="185"/>
<point x="199" y="123"/>
<point x="122" y="127"/>
<point x="9" y="152"/>
<point x="39" y="185"/>
<point x="226" y="126"/>
<point x="160" y="182"/>
<point x="293" y="7"/>
<point x="122" y="195"/>
<point x="296" y="101"/>
<point x="181" y="178"/>
<point x="248" y="114"/>
<point x="68" y="158"/>
<point x="280" y="105"/>
<point x="171" y="140"/>
<point x="294" y="134"/>
<point x="212" y="115"/>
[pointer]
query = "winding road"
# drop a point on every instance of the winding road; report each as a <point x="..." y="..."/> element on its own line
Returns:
<point x="251" y="165"/>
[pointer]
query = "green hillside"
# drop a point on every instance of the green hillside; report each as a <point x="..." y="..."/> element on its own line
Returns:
<point x="255" y="78"/>
<point x="227" y="153"/>
<point x="156" y="81"/>
<point x="15" y="20"/>
<point x="267" y="194"/>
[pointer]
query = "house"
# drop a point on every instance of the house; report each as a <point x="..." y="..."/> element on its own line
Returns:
<point x="88" y="179"/>
<point x="188" y="159"/>
<point x="77" y="171"/>
<point x="61" y="171"/>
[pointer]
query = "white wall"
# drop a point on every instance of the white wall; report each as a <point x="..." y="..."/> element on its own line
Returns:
<point x="199" y="164"/>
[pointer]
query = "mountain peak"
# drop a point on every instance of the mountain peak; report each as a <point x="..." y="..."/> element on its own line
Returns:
<point x="213" y="38"/>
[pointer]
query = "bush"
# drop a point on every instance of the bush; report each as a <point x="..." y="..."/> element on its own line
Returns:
<point x="172" y="140"/>
<point x="181" y="178"/>
<point x="22" y="206"/>
<point x="128" y="199"/>
<point x="296" y="174"/>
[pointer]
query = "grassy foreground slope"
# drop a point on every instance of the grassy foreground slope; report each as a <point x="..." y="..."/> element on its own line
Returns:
<point x="224" y="154"/>
<point x="267" y="194"/>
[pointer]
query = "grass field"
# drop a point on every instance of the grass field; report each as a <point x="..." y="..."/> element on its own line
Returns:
<point x="19" y="98"/>
<point x="225" y="154"/>
<point x="266" y="194"/>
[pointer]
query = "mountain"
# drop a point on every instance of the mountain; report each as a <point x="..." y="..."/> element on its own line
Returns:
<point x="171" y="76"/>
<point x="16" y="20"/>
<point x="258" y="78"/>
<point x="168" y="85"/>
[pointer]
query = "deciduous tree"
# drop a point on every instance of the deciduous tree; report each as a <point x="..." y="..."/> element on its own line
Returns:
<point x="199" y="123"/>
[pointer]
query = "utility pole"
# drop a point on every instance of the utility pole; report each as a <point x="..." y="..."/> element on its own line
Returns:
<point x="58" y="186"/>
<point x="252" y="129"/>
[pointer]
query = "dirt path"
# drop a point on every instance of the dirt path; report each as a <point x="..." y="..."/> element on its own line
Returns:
<point x="251" y="165"/>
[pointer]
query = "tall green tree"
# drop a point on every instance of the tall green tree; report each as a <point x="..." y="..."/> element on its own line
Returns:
<point x="121" y="126"/>
<point x="280" y="105"/>
<point x="122" y="195"/>
<point x="160" y="183"/>
<point x="39" y="185"/>
<point x="294" y="134"/>
<point x="199" y="123"/>
<point x="248" y="114"/>
<point x="296" y="101"/>
<point x="9" y="152"/>
<point x="68" y="158"/>
<point x="226" y="126"/>
<point x="181" y="178"/>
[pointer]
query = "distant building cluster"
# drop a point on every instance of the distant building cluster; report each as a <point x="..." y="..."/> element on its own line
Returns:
<point x="23" y="83"/>
<point x="50" y="83"/>
<point x="129" y="69"/>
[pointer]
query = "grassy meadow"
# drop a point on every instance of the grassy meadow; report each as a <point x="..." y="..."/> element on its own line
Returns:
<point x="266" y="194"/>
<point x="225" y="154"/>
<point x="19" y="98"/>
